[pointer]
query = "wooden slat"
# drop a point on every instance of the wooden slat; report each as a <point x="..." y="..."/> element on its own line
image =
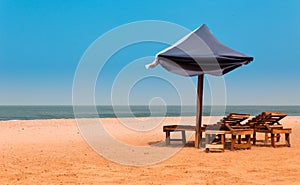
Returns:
<point x="243" y="146"/>
<point x="215" y="132"/>
<point x="179" y="128"/>
<point x="281" y="131"/>
<point x="243" y="132"/>
<point x="215" y="146"/>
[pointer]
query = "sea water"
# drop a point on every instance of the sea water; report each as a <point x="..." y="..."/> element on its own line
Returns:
<point x="67" y="111"/>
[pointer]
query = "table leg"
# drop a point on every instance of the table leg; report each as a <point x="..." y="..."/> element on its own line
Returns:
<point x="167" y="137"/>
<point x="183" y="137"/>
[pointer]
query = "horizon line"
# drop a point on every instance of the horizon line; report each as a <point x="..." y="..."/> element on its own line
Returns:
<point x="139" y="105"/>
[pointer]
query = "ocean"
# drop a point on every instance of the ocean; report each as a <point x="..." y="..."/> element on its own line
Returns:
<point x="66" y="112"/>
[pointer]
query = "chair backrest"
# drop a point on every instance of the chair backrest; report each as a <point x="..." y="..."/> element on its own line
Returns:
<point x="256" y="121"/>
<point x="234" y="119"/>
<point x="273" y="118"/>
<point x="266" y="119"/>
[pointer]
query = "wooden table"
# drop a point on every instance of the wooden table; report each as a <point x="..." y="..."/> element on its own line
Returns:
<point x="210" y="135"/>
<point x="177" y="128"/>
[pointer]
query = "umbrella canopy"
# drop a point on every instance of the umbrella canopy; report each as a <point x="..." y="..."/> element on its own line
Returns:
<point x="200" y="53"/>
<point x="197" y="54"/>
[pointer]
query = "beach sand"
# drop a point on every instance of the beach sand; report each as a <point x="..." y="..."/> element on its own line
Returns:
<point x="54" y="152"/>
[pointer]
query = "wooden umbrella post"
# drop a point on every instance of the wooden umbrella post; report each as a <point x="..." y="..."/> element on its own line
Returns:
<point x="198" y="135"/>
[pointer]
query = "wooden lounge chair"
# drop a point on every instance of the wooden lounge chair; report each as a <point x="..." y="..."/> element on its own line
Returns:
<point x="233" y="124"/>
<point x="233" y="119"/>
<point x="268" y="123"/>
<point x="183" y="128"/>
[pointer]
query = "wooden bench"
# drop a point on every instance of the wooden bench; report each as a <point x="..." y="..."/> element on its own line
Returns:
<point x="177" y="128"/>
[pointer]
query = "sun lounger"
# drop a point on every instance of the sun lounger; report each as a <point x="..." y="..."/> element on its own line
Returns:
<point x="233" y="124"/>
<point x="268" y="123"/>
<point x="233" y="119"/>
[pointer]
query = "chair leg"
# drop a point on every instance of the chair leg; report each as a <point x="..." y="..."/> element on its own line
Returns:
<point x="266" y="138"/>
<point x="207" y="141"/>
<point x="254" y="138"/>
<point x="273" y="140"/>
<point x="167" y="137"/>
<point x="183" y="137"/>
<point x="223" y="141"/>
<point x="287" y="139"/>
<point x="248" y="140"/>
<point x="277" y="137"/>
<point x="233" y="140"/>
<point x="239" y="139"/>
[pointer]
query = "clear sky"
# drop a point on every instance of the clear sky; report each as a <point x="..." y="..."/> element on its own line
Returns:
<point x="41" y="43"/>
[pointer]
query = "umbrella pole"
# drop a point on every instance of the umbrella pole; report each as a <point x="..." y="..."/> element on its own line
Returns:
<point x="198" y="135"/>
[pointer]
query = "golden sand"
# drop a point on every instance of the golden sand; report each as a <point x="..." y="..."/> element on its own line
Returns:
<point x="54" y="152"/>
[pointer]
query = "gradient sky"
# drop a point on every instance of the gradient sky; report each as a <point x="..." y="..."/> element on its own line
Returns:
<point x="41" y="43"/>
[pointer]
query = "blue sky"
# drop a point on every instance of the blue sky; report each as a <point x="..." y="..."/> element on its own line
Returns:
<point x="41" y="43"/>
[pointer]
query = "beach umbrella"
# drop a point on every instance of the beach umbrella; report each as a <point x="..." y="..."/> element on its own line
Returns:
<point x="197" y="54"/>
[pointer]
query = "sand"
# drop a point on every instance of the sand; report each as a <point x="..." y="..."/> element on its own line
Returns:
<point x="54" y="152"/>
